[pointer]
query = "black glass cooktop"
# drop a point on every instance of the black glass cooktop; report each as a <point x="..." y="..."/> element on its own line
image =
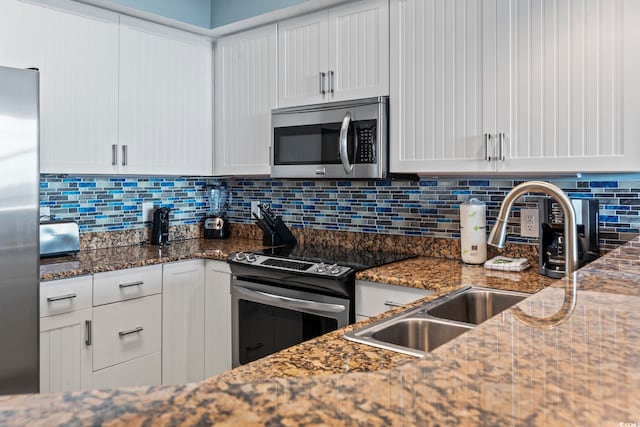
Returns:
<point x="357" y="259"/>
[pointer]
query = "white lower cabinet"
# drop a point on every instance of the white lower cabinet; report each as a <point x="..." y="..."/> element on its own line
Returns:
<point x="217" y="340"/>
<point x="183" y="313"/>
<point x="126" y="330"/>
<point x="144" y="370"/>
<point x="375" y="298"/>
<point x="65" y="352"/>
<point x="65" y="334"/>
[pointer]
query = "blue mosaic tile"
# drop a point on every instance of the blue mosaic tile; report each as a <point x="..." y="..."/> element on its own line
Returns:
<point x="603" y="184"/>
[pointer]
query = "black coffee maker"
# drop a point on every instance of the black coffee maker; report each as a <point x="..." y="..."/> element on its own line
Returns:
<point x="552" y="239"/>
<point x="160" y="227"/>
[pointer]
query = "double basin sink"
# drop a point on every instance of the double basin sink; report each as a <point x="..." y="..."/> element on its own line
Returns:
<point x="425" y="328"/>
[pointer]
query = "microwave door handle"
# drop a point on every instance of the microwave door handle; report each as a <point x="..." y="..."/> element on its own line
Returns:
<point x="293" y="303"/>
<point x="344" y="134"/>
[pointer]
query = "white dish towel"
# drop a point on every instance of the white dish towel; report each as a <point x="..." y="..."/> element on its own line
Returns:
<point x="504" y="263"/>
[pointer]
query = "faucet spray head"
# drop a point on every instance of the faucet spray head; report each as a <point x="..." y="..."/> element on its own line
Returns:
<point x="498" y="234"/>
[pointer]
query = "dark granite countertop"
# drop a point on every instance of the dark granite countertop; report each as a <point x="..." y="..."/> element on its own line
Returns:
<point x="584" y="370"/>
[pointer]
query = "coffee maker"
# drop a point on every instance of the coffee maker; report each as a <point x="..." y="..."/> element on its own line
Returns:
<point x="216" y="225"/>
<point x="160" y="227"/>
<point x="552" y="239"/>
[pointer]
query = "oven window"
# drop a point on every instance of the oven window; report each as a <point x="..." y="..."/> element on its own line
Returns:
<point x="265" y="329"/>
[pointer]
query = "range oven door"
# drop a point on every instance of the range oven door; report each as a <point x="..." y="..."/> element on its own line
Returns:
<point x="267" y="319"/>
<point x="338" y="140"/>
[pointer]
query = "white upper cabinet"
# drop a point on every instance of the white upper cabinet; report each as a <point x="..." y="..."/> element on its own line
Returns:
<point x="512" y="86"/>
<point x="76" y="52"/>
<point x="338" y="54"/>
<point x="359" y="50"/>
<point x="573" y="86"/>
<point x="246" y="90"/>
<point x="436" y="99"/>
<point x="165" y="100"/>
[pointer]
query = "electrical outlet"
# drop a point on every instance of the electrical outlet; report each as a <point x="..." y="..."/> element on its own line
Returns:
<point x="255" y="209"/>
<point x="147" y="212"/>
<point x="529" y="223"/>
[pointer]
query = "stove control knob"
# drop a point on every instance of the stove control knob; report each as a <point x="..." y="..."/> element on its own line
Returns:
<point x="251" y="257"/>
<point x="335" y="269"/>
<point x="321" y="268"/>
<point x="241" y="256"/>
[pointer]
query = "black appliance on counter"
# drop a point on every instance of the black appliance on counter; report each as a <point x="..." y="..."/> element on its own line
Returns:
<point x="552" y="239"/>
<point x="160" y="227"/>
<point x="286" y="295"/>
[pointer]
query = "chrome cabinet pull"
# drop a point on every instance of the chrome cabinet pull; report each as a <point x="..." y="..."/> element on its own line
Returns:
<point x="128" y="285"/>
<point x="501" y="146"/>
<point x="331" y="81"/>
<point x="487" y="141"/>
<point x="124" y="155"/>
<point x="322" y="89"/>
<point x="61" y="297"/>
<point x="114" y="154"/>
<point x="392" y="304"/>
<point x="131" y="331"/>
<point x="89" y="332"/>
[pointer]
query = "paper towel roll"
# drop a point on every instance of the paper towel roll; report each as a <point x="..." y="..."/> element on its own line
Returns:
<point x="473" y="231"/>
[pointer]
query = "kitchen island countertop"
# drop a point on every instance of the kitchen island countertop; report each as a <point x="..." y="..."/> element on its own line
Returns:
<point x="585" y="370"/>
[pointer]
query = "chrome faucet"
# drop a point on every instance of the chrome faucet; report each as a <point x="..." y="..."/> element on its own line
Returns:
<point x="498" y="233"/>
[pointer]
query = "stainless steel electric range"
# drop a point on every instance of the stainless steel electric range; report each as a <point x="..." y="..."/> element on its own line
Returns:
<point x="286" y="295"/>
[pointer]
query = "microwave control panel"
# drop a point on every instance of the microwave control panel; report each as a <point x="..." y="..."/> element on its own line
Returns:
<point x="366" y="145"/>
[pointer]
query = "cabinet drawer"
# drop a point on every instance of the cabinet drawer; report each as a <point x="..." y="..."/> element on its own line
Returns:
<point x="126" y="330"/>
<point x="65" y="295"/>
<point x="145" y="370"/>
<point x="127" y="284"/>
<point x="376" y="298"/>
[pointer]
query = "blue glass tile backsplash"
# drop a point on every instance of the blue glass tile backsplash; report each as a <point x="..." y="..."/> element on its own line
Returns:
<point x="428" y="207"/>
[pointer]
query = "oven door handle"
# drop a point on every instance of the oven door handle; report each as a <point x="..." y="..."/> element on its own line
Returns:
<point x="267" y="298"/>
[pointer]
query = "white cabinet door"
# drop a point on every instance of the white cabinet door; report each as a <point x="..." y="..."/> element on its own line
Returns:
<point x="217" y="318"/>
<point x="246" y="91"/>
<point x="143" y="371"/>
<point x="303" y="60"/>
<point x="65" y="352"/>
<point x="359" y="50"/>
<point x="165" y="114"/>
<point x="183" y="317"/>
<point x="375" y="298"/>
<point x="573" y="86"/>
<point x="76" y="51"/>
<point x="436" y="93"/>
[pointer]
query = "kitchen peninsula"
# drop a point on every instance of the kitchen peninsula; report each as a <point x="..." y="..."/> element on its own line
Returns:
<point x="583" y="371"/>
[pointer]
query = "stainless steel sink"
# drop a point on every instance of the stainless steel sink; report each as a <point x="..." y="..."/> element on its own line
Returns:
<point x="476" y="305"/>
<point x="423" y="329"/>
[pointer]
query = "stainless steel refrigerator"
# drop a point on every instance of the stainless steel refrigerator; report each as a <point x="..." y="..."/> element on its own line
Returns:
<point x="19" y="211"/>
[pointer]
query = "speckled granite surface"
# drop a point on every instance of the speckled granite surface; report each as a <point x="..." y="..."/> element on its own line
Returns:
<point x="585" y="371"/>
<point x="117" y="258"/>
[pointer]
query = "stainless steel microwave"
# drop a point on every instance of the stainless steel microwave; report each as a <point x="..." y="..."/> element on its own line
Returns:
<point x="341" y="140"/>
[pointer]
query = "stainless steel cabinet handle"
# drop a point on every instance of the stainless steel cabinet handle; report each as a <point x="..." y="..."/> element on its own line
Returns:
<point x="344" y="153"/>
<point x="331" y="74"/>
<point x="392" y="304"/>
<point x="61" y="297"/>
<point x="124" y="155"/>
<point x="131" y="331"/>
<point x="487" y="141"/>
<point x="114" y="154"/>
<point x="128" y="285"/>
<point x="291" y="302"/>
<point x="322" y="90"/>
<point x="501" y="146"/>
<point x="89" y="332"/>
